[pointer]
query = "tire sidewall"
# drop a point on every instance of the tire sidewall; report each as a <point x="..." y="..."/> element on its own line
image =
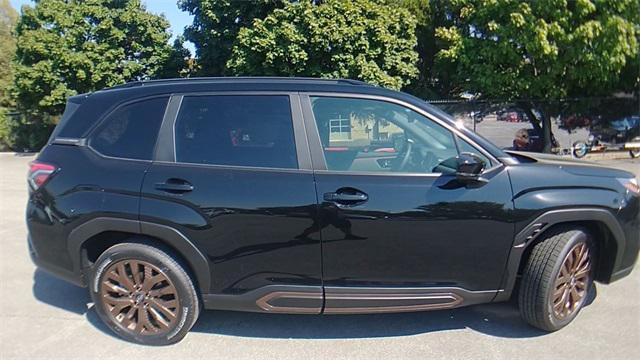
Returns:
<point x="188" y="303"/>
<point x="549" y="317"/>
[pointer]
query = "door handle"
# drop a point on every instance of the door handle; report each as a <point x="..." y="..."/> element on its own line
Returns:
<point x="174" y="186"/>
<point x="346" y="196"/>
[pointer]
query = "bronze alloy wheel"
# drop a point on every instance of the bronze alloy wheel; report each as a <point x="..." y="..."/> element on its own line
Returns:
<point x="572" y="282"/>
<point x="139" y="297"/>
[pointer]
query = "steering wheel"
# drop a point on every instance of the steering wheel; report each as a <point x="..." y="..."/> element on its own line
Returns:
<point x="403" y="158"/>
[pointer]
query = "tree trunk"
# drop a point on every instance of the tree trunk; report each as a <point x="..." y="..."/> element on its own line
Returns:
<point x="546" y="133"/>
<point x="542" y="124"/>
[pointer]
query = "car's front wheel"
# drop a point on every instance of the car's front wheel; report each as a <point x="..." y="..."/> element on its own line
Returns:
<point x="143" y="294"/>
<point x="557" y="278"/>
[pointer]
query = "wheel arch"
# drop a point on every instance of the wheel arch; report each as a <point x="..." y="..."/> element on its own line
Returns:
<point x="103" y="229"/>
<point x="601" y="223"/>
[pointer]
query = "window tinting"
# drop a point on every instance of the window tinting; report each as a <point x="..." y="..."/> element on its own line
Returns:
<point x="131" y="130"/>
<point x="235" y="130"/>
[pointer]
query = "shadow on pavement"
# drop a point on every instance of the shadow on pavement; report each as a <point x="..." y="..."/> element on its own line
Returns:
<point x="500" y="319"/>
<point x="60" y="293"/>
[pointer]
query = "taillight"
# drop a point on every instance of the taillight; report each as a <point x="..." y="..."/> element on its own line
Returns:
<point x="39" y="173"/>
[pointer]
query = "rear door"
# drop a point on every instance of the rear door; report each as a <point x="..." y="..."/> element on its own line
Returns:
<point x="232" y="175"/>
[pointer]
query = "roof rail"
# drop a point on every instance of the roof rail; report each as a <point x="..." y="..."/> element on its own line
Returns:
<point x="231" y="78"/>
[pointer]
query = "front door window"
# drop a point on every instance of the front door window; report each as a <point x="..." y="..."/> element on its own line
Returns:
<point x="378" y="136"/>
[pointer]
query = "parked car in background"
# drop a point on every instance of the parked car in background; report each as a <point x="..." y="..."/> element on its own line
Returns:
<point x="260" y="194"/>
<point x="511" y="115"/>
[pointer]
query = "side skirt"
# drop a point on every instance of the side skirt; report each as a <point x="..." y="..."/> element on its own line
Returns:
<point x="347" y="300"/>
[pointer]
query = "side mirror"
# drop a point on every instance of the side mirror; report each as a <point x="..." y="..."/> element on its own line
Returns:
<point x="468" y="167"/>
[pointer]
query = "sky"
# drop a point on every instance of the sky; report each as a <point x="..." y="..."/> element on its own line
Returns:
<point x="177" y="18"/>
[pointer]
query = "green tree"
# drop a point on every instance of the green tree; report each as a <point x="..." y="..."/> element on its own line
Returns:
<point x="359" y="39"/>
<point x="8" y="17"/>
<point x="540" y="50"/>
<point x="216" y="24"/>
<point x="67" y="47"/>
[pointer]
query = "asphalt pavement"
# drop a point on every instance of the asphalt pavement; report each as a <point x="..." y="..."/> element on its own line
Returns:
<point x="43" y="317"/>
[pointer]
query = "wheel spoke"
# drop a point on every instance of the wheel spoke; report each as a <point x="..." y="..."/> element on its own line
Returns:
<point x="108" y="286"/>
<point x="155" y="304"/>
<point x="124" y="279"/>
<point x="162" y="291"/>
<point x="558" y="294"/>
<point x="128" y="317"/>
<point x="151" y="281"/>
<point x="160" y="320"/>
<point x="135" y="272"/>
<point x="118" y="300"/>
<point x="141" y="322"/>
<point x="578" y="257"/>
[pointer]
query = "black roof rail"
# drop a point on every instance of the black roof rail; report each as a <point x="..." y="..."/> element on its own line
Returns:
<point x="231" y="78"/>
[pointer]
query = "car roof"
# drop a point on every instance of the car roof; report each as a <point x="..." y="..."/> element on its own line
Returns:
<point x="286" y="84"/>
<point x="241" y="79"/>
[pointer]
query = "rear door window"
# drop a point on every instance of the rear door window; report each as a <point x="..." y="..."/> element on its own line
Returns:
<point x="236" y="130"/>
<point x="131" y="130"/>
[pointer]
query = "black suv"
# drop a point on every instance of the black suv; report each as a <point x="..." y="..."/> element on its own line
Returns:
<point x="273" y="195"/>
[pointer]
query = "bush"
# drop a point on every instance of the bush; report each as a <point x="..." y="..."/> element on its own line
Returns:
<point x="19" y="133"/>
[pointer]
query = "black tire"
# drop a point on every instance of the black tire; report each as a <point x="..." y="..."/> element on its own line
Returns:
<point x="538" y="284"/>
<point x="186" y="312"/>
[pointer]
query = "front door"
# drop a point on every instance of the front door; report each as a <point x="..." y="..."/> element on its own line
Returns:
<point x="235" y="185"/>
<point x="393" y="216"/>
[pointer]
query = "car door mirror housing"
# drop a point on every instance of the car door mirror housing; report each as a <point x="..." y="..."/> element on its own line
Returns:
<point x="468" y="166"/>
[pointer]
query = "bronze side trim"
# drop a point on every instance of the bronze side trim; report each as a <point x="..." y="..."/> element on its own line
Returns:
<point x="352" y="302"/>
<point x="265" y="302"/>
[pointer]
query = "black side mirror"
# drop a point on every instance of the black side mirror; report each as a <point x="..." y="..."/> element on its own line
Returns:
<point x="468" y="167"/>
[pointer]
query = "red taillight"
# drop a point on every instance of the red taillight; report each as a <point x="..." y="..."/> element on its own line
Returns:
<point x="39" y="173"/>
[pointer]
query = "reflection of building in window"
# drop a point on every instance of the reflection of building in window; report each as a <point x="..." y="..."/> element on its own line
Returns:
<point x="362" y="130"/>
<point x="340" y="129"/>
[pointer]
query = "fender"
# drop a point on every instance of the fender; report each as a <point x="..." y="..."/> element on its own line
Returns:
<point x="543" y="222"/>
<point x="172" y="237"/>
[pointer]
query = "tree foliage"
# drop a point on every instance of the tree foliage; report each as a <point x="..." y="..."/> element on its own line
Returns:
<point x="540" y="50"/>
<point x="544" y="49"/>
<point x="66" y="47"/>
<point x="358" y="39"/>
<point x="8" y="17"/>
<point x="216" y="24"/>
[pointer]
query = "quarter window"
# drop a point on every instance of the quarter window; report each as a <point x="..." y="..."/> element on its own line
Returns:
<point x="237" y="130"/>
<point x="131" y="130"/>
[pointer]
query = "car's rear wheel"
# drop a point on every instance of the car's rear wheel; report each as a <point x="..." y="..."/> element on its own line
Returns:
<point x="143" y="294"/>
<point x="557" y="278"/>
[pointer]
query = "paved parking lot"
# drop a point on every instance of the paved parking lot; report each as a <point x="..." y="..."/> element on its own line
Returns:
<point x="42" y="317"/>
